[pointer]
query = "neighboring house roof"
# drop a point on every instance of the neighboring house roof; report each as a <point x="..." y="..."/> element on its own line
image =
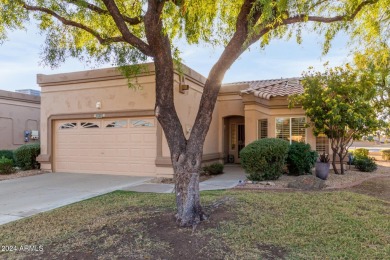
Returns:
<point x="269" y="88"/>
<point x="29" y="92"/>
<point x="8" y="95"/>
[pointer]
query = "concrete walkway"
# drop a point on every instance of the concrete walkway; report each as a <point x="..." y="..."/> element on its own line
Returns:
<point x="24" y="197"/>
<point x="229" y="179"/>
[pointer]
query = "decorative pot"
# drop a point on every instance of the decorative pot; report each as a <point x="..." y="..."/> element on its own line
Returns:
<point x="322" y="170"/>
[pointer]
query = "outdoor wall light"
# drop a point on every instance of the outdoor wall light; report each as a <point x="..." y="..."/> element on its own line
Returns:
<point x="182" y="85"/>
<point x="98" y="105"/>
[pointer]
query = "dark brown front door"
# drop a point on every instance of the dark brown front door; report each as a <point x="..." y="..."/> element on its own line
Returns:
<point x="240" y="140"/>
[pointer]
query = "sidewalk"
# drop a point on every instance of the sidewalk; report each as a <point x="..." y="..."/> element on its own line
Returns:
<point x="229" y="179"/>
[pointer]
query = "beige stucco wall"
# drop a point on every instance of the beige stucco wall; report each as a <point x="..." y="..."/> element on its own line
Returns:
<point x="254" y="109"/>
<point x="277" y="108"/>
<point x="18" y="112"/>
<point x="77" y="93"/>
<point x="228" y="104"/>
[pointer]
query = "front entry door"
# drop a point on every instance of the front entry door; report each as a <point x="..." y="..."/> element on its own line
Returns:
<point x="240" y="140"/>
<point x="236" y="140"/>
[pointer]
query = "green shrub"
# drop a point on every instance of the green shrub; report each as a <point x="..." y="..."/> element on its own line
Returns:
<point x="9" y="154"/>
<point x="264" y="159"/>
<point x="25" y="156"/>
<point x="360" y="153"/>
<point x="300" y="159"/>
<point x="213" y="169"/>
<point x="385" y="154"/>
<point x="6" y="165"/>
<point x="365" y="164"/>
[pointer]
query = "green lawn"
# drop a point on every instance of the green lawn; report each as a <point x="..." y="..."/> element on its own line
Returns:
<point x="250" y="225"/>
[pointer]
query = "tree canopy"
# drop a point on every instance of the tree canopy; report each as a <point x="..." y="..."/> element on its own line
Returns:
<point x="339" y="105"/>
<point x="90" y="31"/>
<point x="377" y="62"/>
<point x="126" y="32"/>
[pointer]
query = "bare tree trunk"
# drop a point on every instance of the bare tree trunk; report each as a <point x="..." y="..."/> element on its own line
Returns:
<point x="186" y="154"/>
<point x="189" y="209"/>
<point x="334" y="157"/>
<point x="341" y="158"/>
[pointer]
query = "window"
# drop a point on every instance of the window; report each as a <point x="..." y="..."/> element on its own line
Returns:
<point x="241" y="138"/>
<point x="89" y="125"/>
<point x="117" y="124"/>
<point x="262" y="129"/>
<point x="233" y="136"/>
<point x="322" y="144"/>
<point x="142" y="123"/>
<point x="291" y="129"/>
<point x="298" y="130"/>
<point x="283" y="128"/>
<point x="68" y="125"/>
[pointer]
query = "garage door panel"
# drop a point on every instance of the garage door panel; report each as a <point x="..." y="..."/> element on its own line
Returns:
<point x="121" y="138"/>
<point x="142" y="168"/>
<point x="122" y="148"/>
<point x="150" y="153"/>
<point x="116" y="153"/>
<point x="136" y="138"/>
<point x="121" y="168"/>
<point x="149" y="139"/>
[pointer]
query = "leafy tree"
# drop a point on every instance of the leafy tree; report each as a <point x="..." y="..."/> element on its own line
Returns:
<point x="339" y="104"/>
<point x="376" y="60"/>
<point x="129" y="31"/>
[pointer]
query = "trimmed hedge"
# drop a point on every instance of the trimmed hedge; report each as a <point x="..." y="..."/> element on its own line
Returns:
<point x="6" y="165"/>
<point x="301" y="159"/>
<point x="25" y="156"/>
<point x="264" y="159"/>
<point x="9" y="154"/>
<point x="213" y="169"/>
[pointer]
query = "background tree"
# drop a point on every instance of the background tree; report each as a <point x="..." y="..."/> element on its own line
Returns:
<point x="339" y="104"/>
<point x="129" y="31"/>
<point x="376" y="60"/>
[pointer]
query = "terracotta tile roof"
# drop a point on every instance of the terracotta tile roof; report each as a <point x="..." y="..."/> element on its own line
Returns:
<point x="272" y="88"/>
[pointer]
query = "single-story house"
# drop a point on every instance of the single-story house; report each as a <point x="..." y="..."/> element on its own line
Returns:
<point x="19" y="119"/>
<point x="92" y="122"/>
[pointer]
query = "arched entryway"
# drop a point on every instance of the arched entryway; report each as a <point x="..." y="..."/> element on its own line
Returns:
<point x="234" y="138"/>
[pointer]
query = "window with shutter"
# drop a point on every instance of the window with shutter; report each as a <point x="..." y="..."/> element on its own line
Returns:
<point x="322" y="144"/>
<point x="298" y="130"/>
<point x="262" y="129"/>
<point x="283" y="128"/>
<point x="291" y="129"/>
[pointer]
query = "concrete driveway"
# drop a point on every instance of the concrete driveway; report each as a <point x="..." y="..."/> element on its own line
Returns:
<point x="27" y="196"/>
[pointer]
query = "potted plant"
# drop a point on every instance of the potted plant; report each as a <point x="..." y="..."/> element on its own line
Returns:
<point x="322" y="166"/>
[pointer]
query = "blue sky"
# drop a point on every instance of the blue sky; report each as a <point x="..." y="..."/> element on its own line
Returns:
<point x="20" y="61"/>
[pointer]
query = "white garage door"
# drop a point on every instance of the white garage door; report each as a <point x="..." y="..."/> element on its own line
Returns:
<point x="125" y="146"/>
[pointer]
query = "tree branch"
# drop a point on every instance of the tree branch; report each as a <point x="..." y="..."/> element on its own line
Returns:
<point x="127" y="35"/>
<point x="102" y="40"/>
<point x="97" y="9"/>
<point x="303" y="17"/>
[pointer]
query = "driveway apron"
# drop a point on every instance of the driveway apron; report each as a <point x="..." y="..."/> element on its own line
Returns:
<point x="28" y="196"/>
